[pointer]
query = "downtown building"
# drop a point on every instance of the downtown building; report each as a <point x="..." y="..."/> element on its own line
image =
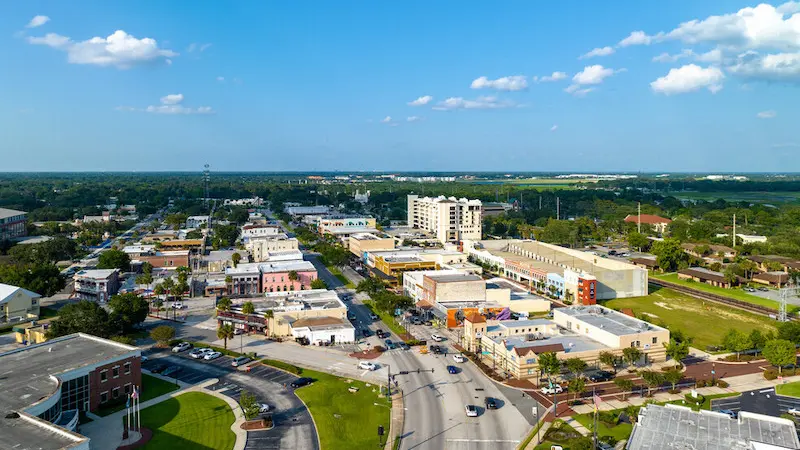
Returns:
<point x="448" y="218"/>
<point x="12" y="224"/>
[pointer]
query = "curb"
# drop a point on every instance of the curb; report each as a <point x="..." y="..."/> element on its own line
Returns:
<point x="314" y="422"/>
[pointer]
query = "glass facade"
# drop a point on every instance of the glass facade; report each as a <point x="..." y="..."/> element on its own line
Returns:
<point x="52" y="414"/>
<point x="75" y="394"/>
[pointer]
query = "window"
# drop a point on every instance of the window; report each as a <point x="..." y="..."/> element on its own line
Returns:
<point x="127" y="368"/>
<point x="655" y="340"/>
<point x="103" y="396"/>
<point x="127" y="388"/>
<point x="115" y="392"/>
<point x="531" y="361"/>
<point x="103" y="376"/>
<point x="115" y="372"/>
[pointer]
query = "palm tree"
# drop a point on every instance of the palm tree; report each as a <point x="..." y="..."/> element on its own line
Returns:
<point x="248" y="308"/>
<point x="225" y="332"/>
<point x="293" y="276"/>
<point x="235" y="258"/>
<point x="224" y="304"/>
<point x="269" y="315"/>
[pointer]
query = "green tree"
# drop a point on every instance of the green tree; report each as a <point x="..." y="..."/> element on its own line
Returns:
<point x="608" y="359"/>
<point x="575" y="366"/>
<point x="631" y="355"/>
<point x="789" y="331"/>
<point x="239" y="216"/>
<point x="780" y="352"/>
<point x="730" y="276"/>
<point x="638" y="241"/>
<point x="293" y="276"/>
<point x="318" y="284"/>
<point x="57" y="249"/>
<point x="162" y="334"/>
<point x="677" y="350"/>
<point x="124" y="340"/>
<point x="235" y="258"/>
<point x="129" y="310"/>
<point x="224" y="304"/>
<point x="269" y="315"/>
<point x="736" y="341"/>
<point x="652" y="379"/>
<point x="145" y="278"/>
<point x="44" y="279"/>
<point x="625" y="385"/>
<point x="370" y="286"/>
<point x="114" y="259"/>
<point x="225" y="332"/>
<point x="757" y="339"/>
<point x="176" y="221"/>
<point x="549" y="365"/>
<point x="669" y="254"/>
<point x="147" y="268"/>
<point x="249" y="405"/>
<point x="577" y="386"/>
<point x="673" y="377"/>
<point x="83" y="317"/>
<point x="248" y="308"/>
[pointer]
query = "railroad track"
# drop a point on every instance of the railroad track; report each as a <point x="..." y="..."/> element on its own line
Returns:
<point x="758" y="309"/>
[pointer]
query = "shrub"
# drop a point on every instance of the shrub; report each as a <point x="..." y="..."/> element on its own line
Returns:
<point x="770" y="374"/>
<point x="291" y="368"/>
<point x="722" y="383"/>
<point x="413" y="342"/>
<point x="701" y="383"/>
<point x="694" y="401"/>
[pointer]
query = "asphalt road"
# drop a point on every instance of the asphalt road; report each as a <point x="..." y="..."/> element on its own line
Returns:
<point x="761" y="401"/>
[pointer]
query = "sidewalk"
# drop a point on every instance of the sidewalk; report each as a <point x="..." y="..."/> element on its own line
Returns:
<point x="542" y="431"/>
<point x="397" y="421"/>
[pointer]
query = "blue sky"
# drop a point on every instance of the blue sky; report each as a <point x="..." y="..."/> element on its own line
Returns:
<point x="572" y="86"/>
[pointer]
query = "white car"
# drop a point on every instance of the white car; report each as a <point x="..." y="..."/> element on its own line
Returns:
<point x="200" y="352"/>
<point x="264" y="408"/>
<point x="794" y="411"/>
<point x="212" y="355"/>
<point x="550" y="390"/>
<point x="183" y="346"/>
<point x="471" y="411"/>
<point x="178" y="305"/>
<point x="367" y="365"/>
<point x="459" y="358"/>
<point x="437" y="338"/>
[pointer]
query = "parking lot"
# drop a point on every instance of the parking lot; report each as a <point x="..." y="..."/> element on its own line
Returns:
<point x="763" y="401"/>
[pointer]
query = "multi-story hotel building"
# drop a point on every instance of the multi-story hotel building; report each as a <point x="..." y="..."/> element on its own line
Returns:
<point x="450" y="219"/>
<point x="97" y="285"/>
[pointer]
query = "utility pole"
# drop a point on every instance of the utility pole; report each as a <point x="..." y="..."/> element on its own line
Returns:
<point x="558" y="208"/>
<point x="639" y="219"/>
<point x="734" y="231"/>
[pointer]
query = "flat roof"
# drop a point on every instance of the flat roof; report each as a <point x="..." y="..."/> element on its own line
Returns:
<point x="286" y="266"/>
<point x="453" y="277"/>
<point x="672" y="427"/>
<point x="350" y="230"/>
<point x="6" y="213"/>
<point x="607" y="319"/>
<point x="95" y="273"/>
<point x="572" y="342"/>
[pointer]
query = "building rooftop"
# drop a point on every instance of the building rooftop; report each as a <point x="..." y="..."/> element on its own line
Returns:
<point x="7" y="290"/>
<point x="672" y="427"/>
<point x="243" y="268"/>
<point x="139" y="248"/>
<point x="367" y="237"/>
<point x="5" y="213"/>
<point x="322" y="323"/>
<point x="453" y="277"/>
<point x="609" y="320"/>
<point x="293" y="301"/>
<point x="286" y="266"/>
<point x="646" y="218"/>
<point x="350" y="230"/>
<point x="96" y="274"/>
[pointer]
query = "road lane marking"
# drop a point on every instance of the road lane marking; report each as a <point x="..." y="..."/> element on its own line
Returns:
<point x="765" y="391"/>
<point x="498" y="441"/>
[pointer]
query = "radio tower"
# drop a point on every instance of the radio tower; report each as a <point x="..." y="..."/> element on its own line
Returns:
<point x="206" y="179"/>
<point x="789" y="290"/>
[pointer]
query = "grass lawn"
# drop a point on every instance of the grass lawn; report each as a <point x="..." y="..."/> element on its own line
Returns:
<point x="561" y="434"/>
<point x="387" y="319"/>
<point x="335" y="271"/>
<point x="790" y="389"/>
<point x="736" y="294"/>
<point x="191" y="420"/>
<point x="706" y="322"/>
<point x="618" y="432"/>
<point x="345" y="420"/>
<point x="706" y="403"/>
<point x="152" y="387"/>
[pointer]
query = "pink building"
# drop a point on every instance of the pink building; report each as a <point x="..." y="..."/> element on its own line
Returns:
<point x="275" y="276"/>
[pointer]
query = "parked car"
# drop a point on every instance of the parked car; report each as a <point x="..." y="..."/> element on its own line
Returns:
<point x="199" y="352"/>
<point x="178" y="305"/>
<point x="389" y="344"/>
<point x="403" y="346"/>
<point x="182" y="347"/>
<point x="601" y="376"/>
<point x="612" y="252"/>
<point x="490" y="403"/>
<point x="763" y="289"/>
<point x="459" y="358"/>
<point x="211" y="356"/>
<point x="452" y="370"/>
<point x="171" y="371"/>
<point x="300" y="382"/>
<point x="380" y="333"/>
<point x="367" y="365"/>
<point x="471" y="410"/>
<point x="550" y="390"/>
<point x="238" y="331"/>
<point x="264" y="408"/>
<point x="240" y="361"/>
<point x="373" y="316"/>
<point x="437" y="338"/>
<point x="158" y="368"/>
<point x="748" y="289"/>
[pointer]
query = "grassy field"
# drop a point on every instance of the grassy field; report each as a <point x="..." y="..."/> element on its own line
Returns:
<point x="736" y="294"/>
<point x="152" y="387"/>
<point x="191" y="420"/>
<point x="789" y="389"/>
<point x="619" y="432"/>
<point x="706" y="322"/>
<point x="345" y="420"/>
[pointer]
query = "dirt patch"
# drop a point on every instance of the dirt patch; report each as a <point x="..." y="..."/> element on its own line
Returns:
<point x="650" y="315"/>
<point x="663" y="305"/>
<point x="367" y="354"/>
<point x="260" y="424"/>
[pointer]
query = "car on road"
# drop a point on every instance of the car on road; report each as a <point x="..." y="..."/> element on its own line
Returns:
<point x="178" y="305"/>
<point x="389" y="344"/>
<point x="459" y="358"/>
<point x="435" y="349"/>
<point x="367" y="365"/>
<point x="763" y="289"/>
<point x="182" y="347"/>
<point x="212" y="356"/>
<point x="158" y="368"/>
<point x="471" y="410"/>
<point x="300" y="382"/>
<point x="264" y="408"/>
<point x="452" y="370"/>
<point x="490" y="403"/>
<point x="600" y="376"/>
<point x="794" y="411"/>
<point x="748" y="289"/>
<point x="238" y="331"/>
<point x="403" y="346"/>
<point x="199" y="352"/>
<point x="381" y="334"/>
<point x="171" y="371"/>
<point x="240" y="361"/>
<point x="373" y="316"/>
<point x="437" y="338"/>
<point x="550" y="390"/>
<point x="351" y="316"/>
<point x="612" y="252"/>
<point x="731" y="414"/>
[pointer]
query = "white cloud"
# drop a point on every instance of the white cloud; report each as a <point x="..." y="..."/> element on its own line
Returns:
<point x="771" y="67"/>
<point x="576" y="90"/>
<point x="556" y="76"/>
<point x="120" y="50"/>
<point x="599" y="51"/>
<point x="221" y="79"/>
<point x="486" y="102"/>
<point x="590" y="75"/>
<point x="712" y="56"/>
<point x="554" y="128"/>
<point x="512" y="83"/>
<point x="637" y="38"/>
<point x="424" y="100"/>
<point x="689" y="78"/>
<point x="413" y="119"/>
<point x="205" y="47"/>
<point x="386" y="119"/>
<point x="199" y="47"/>
<point x="172" y="99"/>
<point x="37" y="21"/>
<point x="766" y="114"/>
<point x="666" y="57"/>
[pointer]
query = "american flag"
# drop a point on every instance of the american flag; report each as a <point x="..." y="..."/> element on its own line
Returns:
<point x="135" y="393"/>
<point x="597" y="400"/>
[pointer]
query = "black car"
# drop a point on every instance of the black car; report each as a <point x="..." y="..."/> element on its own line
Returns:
<point x="365" y="332"/>
<point x="612" y="252"/>
<point x="435" y="349"/>
<point x="389" y="344"/>
<point x="380" y="334"/>
<point x="491" y="403"/>
<point x="158" y="368"/>
<point x="300" y="382"/>
<point x="172" y="371"/>
<point x="600" y="376"/>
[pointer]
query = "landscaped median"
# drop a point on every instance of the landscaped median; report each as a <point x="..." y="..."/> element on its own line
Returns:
<point x="389" y="321"/>
<point x="788" y="389"/>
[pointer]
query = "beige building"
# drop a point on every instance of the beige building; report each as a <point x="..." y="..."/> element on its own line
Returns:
<point x="448" y="218"/>
<point x="260" y="247"/>
<point x="513" y="347"/>
<point x="17" y="305"/>
<point x="360" y="243"/>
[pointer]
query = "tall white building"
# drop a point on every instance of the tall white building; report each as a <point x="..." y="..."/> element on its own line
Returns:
<point x="450" y="219"/>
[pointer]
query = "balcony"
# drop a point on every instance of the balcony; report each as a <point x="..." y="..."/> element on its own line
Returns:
<point x="250" y="319"/>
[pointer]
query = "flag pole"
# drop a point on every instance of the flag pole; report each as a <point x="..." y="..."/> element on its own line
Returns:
<point x="594" y="420"/>
<point x="139" y="411"/>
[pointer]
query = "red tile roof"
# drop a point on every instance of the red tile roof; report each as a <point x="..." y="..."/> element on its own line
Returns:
<point x="475" y="318"/>
<point x="647" y="218"/>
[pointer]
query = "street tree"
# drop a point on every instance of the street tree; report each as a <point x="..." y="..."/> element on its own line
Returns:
<point x="83" y="317"/>
<point x="235" y="258"/>
<point x="608" y="359"/>
<point x="130" y="310"/>
<point x="225" y="332"/>
<point x="736" y="341"/>
<point x="631" y="355"/>
<point x="780" y="352"/>
<point x="549" y="365"/>
<point x="625" y="385"/>
<point x="224" y="304"/>
<point x="249" y="405"/>
<point x="575" y="366"/>
<point x="248" y="308"/>
<point x="638" y="241"/>
<point x="757" y="339"/>
<point x="669" y="254"/>
<point x="114" y="259"/>
<point x="162" y="334"/>
<point x="677" y="350"/>
<point x="789" y="331"/>
<point x="673" y="377"/>
<point x="577" y="386"/>
<point x="652" y="379"/>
